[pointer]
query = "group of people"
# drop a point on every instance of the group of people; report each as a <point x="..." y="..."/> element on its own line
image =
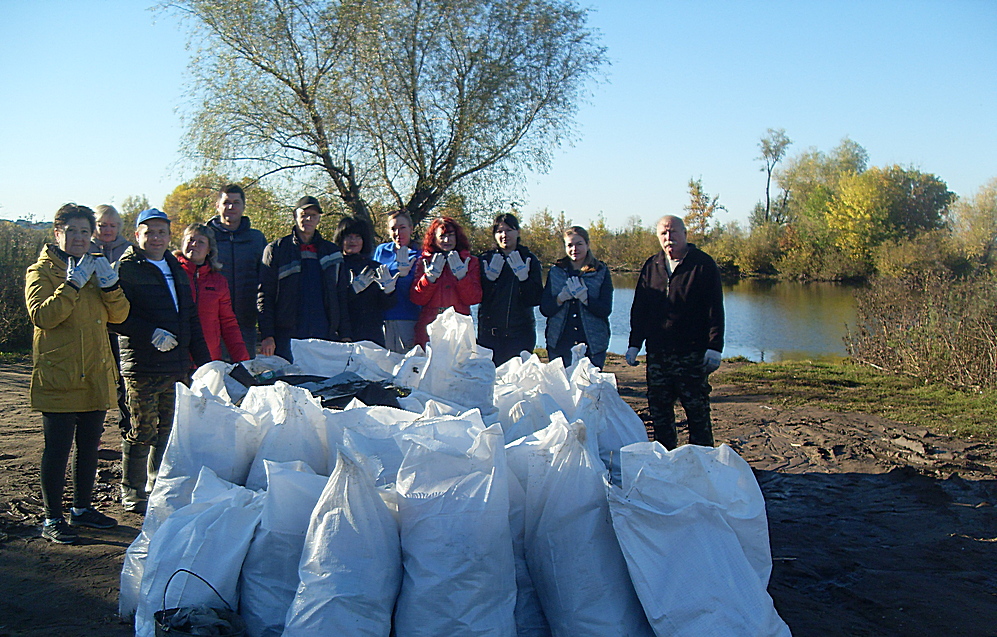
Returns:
<point x="122" y="323"/>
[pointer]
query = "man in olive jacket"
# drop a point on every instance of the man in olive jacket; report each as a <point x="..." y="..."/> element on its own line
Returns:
<point x="162" y="340"/>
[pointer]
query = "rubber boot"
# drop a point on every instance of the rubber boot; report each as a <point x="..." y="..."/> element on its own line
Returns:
<point x="134" y="476"/>
<point x="154" y="462"/>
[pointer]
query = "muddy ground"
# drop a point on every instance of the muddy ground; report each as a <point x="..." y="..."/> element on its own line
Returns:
<point x="876" y="528"/>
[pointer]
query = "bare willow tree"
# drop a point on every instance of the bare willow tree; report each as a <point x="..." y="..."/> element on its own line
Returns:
<point x="773" y="146"/>
<point x="395" y="101"/>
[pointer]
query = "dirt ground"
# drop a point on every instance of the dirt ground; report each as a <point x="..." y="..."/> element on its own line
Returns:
<point x="876" y="528"/>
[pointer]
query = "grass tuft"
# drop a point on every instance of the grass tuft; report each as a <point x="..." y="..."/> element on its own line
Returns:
<point x="848" y="386"/>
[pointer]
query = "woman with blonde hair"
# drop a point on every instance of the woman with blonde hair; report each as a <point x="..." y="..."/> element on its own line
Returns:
<point x="107" y="237"/>
<point x="577" y="301"/>
<point x="400" y="255"/>
<point x="198" y="255"/>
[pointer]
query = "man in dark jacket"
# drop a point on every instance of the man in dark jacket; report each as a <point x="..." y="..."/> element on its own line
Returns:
<point x="303" y="286"/>
<point x="240" y="248"/>
<point x="161" y="339"/>
<point x="678" y="311"/>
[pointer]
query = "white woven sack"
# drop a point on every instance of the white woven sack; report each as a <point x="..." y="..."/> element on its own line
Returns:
<point x="350" y="570"/>
<point x="208" y="538"/>
<point x="691" y="523"/>
<point x="576" y="564"/>
<point x="269" y="577"/>
<point x="453" y="504"/>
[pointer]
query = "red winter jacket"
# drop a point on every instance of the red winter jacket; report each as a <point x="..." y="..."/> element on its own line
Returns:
<point x="446" y="292"/>
<point x="214" y="307"/>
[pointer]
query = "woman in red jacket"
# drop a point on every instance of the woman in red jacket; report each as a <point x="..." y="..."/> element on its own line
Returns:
<point x="198" y="255"/>
<point x="446" y="275"/>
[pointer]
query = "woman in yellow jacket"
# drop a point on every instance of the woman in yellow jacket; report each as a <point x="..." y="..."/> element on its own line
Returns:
<point x="71" y="297"/>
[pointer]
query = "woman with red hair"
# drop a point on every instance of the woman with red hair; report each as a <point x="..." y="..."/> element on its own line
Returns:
<point x="446" y="275"/>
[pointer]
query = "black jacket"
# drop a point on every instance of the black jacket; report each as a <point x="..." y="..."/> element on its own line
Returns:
<point x="152" y="307"/>
<point x="682" y="313"/>
<point x="367" y="308"/>
<point x="507" y="303"/>
<point x="280" y="284"/>
<point x="240" y="252"/>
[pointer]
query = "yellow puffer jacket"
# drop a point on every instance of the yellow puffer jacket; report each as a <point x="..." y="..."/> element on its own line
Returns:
<point x="73" y="366"/>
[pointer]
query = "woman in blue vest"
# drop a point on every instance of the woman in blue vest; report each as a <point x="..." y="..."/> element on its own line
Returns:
<point x="577" y="301"/>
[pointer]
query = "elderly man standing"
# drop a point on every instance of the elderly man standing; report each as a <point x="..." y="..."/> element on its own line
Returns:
<point x="678" y="311"/>
<point x="240" y="249"/>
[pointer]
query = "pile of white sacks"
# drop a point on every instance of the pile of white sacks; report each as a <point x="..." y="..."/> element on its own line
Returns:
<point x="518" y="501"/>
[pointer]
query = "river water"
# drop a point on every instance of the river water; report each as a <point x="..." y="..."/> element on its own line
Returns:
<point x="766" y="320"/>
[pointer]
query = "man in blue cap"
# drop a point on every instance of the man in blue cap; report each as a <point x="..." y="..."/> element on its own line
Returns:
<point x="161" y="341"/>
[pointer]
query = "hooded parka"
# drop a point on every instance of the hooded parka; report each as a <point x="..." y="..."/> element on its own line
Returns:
<point x="74" y="369"/>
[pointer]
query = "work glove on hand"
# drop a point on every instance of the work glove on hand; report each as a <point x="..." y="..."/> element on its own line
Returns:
<point x="434" y="267"/>
<point x="80" y="270"/>
<point x="162" y="340"/>
<point x="711" y="361"/>
<point x="404" y="259"/>
<point x="361" y="281"/>
<point x="457" y="266"/>
<point x="578" y="289"/>
<point x="385" y="279"/>
<point x="565" y="295"/>
<point x="519" y="268"/>
<point x="107" y="276"/>
<point x="493" y="267"/>
<point x="631" y="356"/>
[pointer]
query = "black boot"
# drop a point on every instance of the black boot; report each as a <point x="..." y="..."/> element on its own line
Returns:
<point x="134" y="476"/>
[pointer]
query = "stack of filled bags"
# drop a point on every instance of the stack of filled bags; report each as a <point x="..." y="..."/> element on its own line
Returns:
<point x="519" y="501"/>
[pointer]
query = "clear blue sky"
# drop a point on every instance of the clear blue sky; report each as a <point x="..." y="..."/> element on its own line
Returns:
<point x="92" y="93"/>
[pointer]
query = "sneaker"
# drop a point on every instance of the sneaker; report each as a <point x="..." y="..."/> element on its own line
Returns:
<point x="92" y="518"/>
<point x="59" y="532"/>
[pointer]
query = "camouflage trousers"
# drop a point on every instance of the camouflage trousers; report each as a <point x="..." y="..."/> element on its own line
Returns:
<point x="151" y="401"/>
<point x="672" y="377"/>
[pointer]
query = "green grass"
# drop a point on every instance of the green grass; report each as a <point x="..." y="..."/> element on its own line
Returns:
<point x="847" y="386"/>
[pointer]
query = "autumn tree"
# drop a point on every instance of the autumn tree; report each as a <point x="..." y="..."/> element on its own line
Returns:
<point x="700" y="210"/>
<point x="194" y="201"/>
<point x="810" y="179"/>
<point x="129" y="209"/>
<point x="974" y="222"/>
<point x="773" y="146"/>
<point x="393" y="102"/>
<point x="882" y="204"/>
<point x="543" y="234"/>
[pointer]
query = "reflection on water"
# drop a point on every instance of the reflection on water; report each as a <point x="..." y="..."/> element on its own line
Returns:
<point x="766" y="320"/>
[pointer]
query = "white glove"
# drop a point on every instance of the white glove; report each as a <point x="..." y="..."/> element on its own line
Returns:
<point x="578" y="289"/>
<point x="493" y="267"/>
<point x="631" y="356"/>
<point x="458" y="267"/>
<point x="519" y="268"/>
<point x="80" y="270"/>
<point x="107" y="276"/>
<point x="434" y="267"/>
<point x="565" y="295"/>
<point x="361" y="281"/>
<point x="711" y="361"/>
<point x="163" y="340"/>
<point x="385" y="279"/>
<point x="404" y="259"/>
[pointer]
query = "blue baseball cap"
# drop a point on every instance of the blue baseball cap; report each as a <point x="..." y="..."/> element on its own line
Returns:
<point x="151" y="213"/>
